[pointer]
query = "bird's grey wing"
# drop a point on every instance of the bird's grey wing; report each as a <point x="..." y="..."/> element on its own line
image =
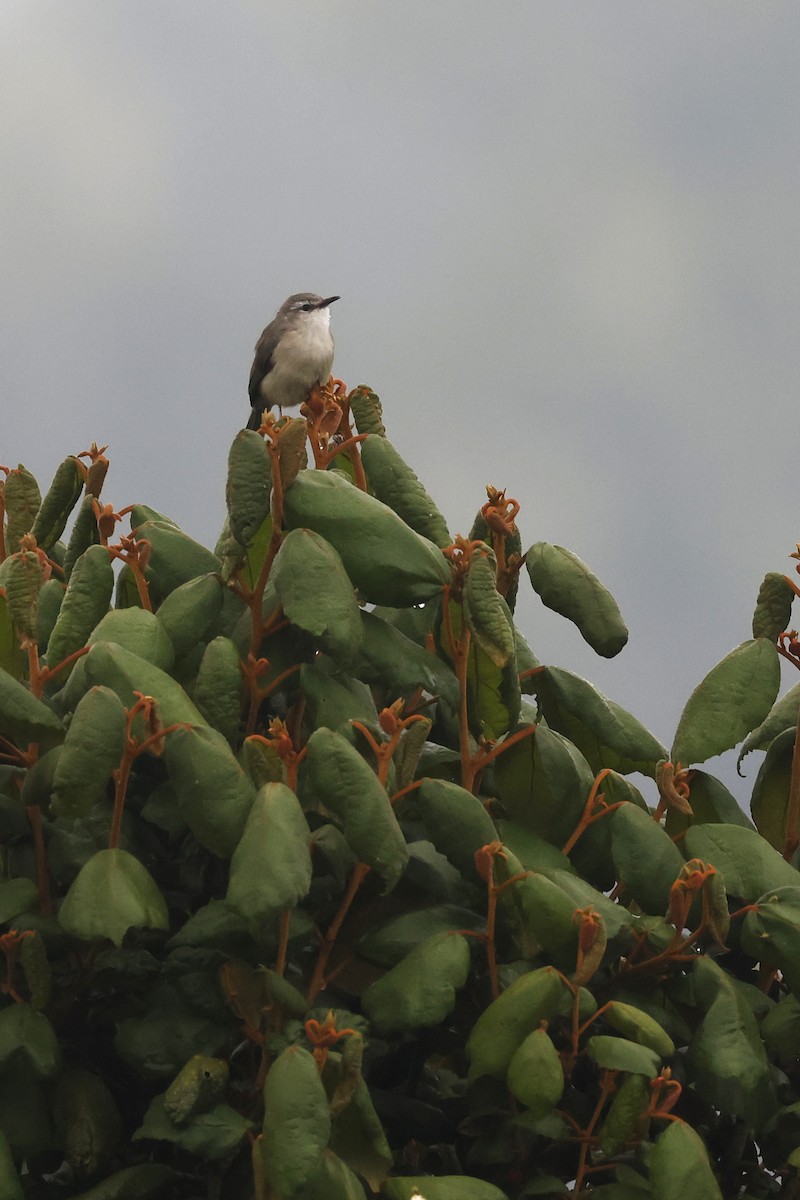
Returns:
<point x="262" y="365"/>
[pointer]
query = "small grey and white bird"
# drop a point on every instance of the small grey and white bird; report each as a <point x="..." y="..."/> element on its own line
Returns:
<point x="293" y="354"/>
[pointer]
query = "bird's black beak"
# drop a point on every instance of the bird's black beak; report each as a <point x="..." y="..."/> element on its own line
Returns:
<point x="330" y="300"/>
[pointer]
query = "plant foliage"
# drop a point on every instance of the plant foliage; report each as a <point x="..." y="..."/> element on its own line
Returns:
<point x="316" y="883"/>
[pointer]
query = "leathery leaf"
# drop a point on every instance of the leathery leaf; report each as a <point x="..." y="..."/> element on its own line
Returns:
<point x="338" y="777"/>
<point x="297" y="1122"/>
<point x="421" y="990"/>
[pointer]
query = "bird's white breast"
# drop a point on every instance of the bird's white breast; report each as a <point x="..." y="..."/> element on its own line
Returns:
<point x="302" y="358"/>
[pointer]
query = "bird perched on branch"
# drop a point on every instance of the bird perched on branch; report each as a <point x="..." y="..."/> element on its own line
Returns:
<point x="293" y="355"/>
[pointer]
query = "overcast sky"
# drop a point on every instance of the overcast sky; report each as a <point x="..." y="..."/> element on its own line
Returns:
<point x="565" y="234"/>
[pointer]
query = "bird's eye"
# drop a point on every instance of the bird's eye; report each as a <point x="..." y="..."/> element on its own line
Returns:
<point x="306" y="307"/>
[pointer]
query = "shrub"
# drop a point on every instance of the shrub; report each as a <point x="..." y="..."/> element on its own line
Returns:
<point x="316" y="882"/>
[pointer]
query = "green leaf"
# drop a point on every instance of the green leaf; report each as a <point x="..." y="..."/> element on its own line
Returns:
<point x="297" y="1122"/>
<point x="387" y="561"/>
<point x="28" y="1042"/>
<point x="440" y="1187"/>
<point x="158" y="1043"/>
<point x="535" y="1074"/>
<point x="605" y="733"/>
<point x="23" y="575"/>
<point x="86" y="1118"/>
<point x="136" y="630"/>
<point x="112" y="894"/>
<point x="214" y="794"/>
<point x="712" y="804"/>
<point x="620" y="1054"/>
<point x="24" y="1113"/>
<point x="84" y="534"/>
<point x="59" y="501"/>
<point x="774" y="607"/>
<point x="421" y="990"/>
<point x="454" y="820"/>
<point x="22" y="499"/>
<point x="639" y="1027"/>
<point x="175" y="558"/>
<point x="358" y="1139"/>
<point x="85" y="602"/>
<point x="543" y="783"/>
<point x="748" y="864"/>
<point x="16" y="896"/>
<point x="771" y="932"/>
<point x="189" y="611"/>
<point x="367" y="410"/>
<point x="679" y="1166"/>
<point x="735" y="697"/>
<point x="726" y="1062"/>
<point x="213" y="1135"/>
<point x="395" y="484"/>
<point x="388" y="658"/>
<point x="337" y="775"/>
<point x="218" y="687"/>
<point x="22" y="716"/>
<point x="334" y="700"/>
<point x="11" y="656"/>
<point x="782" y="716"/>
<point x="334" y="1181"/>
<point x="91" y="752"/>
<point x="566" y="585"/>
<point x="538" y="913"/>
<point x="647" y="860"/>
<point x="397" y="937"/>
<point x="769" y="802"/>
<point x="316" y="593"/>
<point x="519" y="1010"/>
<point x="249" y="484"/>
<point x="486" y="615"/>
<point x="271" y="866"/>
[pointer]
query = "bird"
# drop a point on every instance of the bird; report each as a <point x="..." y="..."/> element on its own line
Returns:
<point x="293" y="355"/>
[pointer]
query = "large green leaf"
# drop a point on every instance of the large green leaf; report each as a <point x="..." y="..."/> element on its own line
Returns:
<point x="782" y="716"/>
<point x="28" y="1042"/>
<point x="86" y="1118"/>
<point x="385" y="559"/>
<point x="297" y="1122"/>
<point x="397" y="664"/>
<point x="175" y="558"/>
<point x="543" y="783"/>
<point x="748" y="864"/>
<point x="338" y="777"/>
<point x="621" y="1054"/>
<point x="212" y="1135"/>
<point x="392" y="941"/>
<point x="189" y="611"/>
<point x="605" y="733"/>
<point x="271" y="866"/>
<point x="316" y="593"/>
<point x="91" y="752"/>
<point x="566" y="585"/>
<point x="421" y="990"/>
<point x="214" y="793"/>
<point x="22" y="716"/>
<point x="771" y="932"/>
<point x="248" y="486"/>
<point x="502" y="1027"/>
<point x="727" y="1063"/>
<point x="647" y="860"/>
<point x="395" y="484"/>
<point x="136" y="630"/>
<point x="735" y="697"/>
<point x="112" y="894"/>
<point x="455" y="821"/>
<point x="679" y="1166"/>
<point x="769" y="802"/>
<point x="126" y="673"/>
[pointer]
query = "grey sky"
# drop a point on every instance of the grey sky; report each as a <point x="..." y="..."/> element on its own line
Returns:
<point x="565" y="236"/>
